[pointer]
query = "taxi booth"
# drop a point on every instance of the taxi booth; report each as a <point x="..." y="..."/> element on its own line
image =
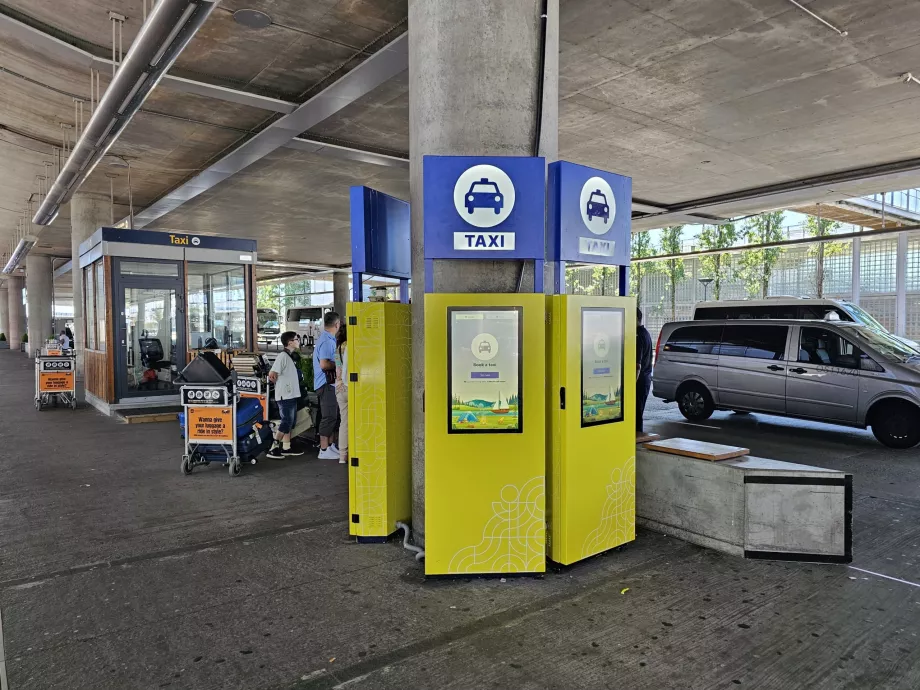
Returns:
<point x="154" y="299"/>
<point x="529" y="398"/>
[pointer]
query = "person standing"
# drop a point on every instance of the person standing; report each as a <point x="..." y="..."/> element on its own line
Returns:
<point x="65" y="341"/>
<point x="341" y="390"/>
<point x="324" y="385"/>
<point x="643" y="370"/>
<point x="284" y="376"/>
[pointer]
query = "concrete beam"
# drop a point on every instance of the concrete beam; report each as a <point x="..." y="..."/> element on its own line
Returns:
<point x="385" y="64"/>
<point x="348" y="153"/>
<point x="81" y="58"/>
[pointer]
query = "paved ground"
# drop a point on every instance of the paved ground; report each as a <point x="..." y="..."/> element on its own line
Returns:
<point x="118" y="573"/>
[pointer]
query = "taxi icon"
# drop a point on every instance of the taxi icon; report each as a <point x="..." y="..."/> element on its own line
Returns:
<point x="485" y="346"/>
<point x="484" y="194"/>
<point x="597" y="206"/>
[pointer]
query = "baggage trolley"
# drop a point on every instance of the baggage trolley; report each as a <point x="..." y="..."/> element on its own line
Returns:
<point x="55" y="381"/>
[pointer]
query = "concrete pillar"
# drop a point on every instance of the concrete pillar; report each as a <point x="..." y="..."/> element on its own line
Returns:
<point x="340" y="292"/>
<point x="5" y="311"/>
<point x="88" y="213"/>
<point x="16" y="313"/>
<point x="38" y="287"/>
<point x="473" y="91"/>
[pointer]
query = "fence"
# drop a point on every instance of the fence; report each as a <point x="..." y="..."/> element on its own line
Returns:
<point x="794" y="274"/>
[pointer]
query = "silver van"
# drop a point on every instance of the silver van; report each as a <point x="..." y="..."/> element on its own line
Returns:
<point x="829" y="371"/>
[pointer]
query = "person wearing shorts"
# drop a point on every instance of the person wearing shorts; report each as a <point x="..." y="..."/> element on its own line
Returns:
<point x="324" y="385"/>
<point x="341" y="390"/>
<point x="284" y="376"/>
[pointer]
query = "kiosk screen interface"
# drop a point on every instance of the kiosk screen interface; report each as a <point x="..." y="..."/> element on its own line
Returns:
<point x="484" y="350"/>
<point x="601" y="366"/>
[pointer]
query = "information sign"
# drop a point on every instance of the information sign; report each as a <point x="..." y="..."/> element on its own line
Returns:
<point x="601" y="365"/>
<point x="484" y="365"/>
<point x="210" y="424"/>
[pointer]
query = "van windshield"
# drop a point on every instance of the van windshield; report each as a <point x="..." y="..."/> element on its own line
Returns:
<point x="888" y="347"/>
<point x="860" y="315"/>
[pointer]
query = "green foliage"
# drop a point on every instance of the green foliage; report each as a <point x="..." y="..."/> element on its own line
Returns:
<point x="717" y="266"/>
<point x="25" y="337"/>
<point x="673" y="268"/>
<point x="305" y="364"/>
<point x="757" y="264"/>
<point x="821" y="227"/>
<point x="269" y="297"/>
<point x="641" y="248"/>
<point x="2" y="337"/>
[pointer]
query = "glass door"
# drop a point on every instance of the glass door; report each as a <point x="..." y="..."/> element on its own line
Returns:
<point x="150" y="348"/>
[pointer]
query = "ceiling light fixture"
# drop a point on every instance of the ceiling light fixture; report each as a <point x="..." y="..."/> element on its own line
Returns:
<point x="252" y="19"/>
<point x="826" y="23"/>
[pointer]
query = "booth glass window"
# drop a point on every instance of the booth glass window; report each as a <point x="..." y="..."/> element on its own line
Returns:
<point x="150" y="322"/>
<point x="100" y="306"/>
<point x="216" y="306"/>
<point x="150" y="268"/>
<point x="89" y="316"/>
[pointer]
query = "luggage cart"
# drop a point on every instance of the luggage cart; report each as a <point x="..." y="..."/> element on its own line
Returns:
<point x="210" y="425"/>
<point x="55" y="381"/>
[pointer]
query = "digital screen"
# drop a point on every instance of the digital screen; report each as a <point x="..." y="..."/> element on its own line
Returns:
<point x="484" y="363"/>
<point x="601" y="365"/>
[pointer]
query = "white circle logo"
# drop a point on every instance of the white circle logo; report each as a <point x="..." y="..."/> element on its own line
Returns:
<point x="196" y="241"/>
<point x="598" y="207"/>
<point x="484" y="196"/>
<point x="601" y="345"/>
<point x="485" y="347"/>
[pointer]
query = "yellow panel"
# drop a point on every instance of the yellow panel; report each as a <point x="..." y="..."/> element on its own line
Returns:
<point x="379" y="424"/>
<point x="591" y="469"/>
<point x="484" y="493"/>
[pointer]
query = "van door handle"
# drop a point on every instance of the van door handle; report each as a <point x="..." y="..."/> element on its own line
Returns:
<point x="774" y="367"/>
<point x="799" y="370"/>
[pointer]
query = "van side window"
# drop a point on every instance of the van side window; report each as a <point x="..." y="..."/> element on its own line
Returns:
<point x="822" y="347"/>
<point x="694" y="339"/>
<point x="754" y="341"/>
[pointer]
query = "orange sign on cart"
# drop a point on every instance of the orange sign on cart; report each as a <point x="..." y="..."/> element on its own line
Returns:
<point x="210" y="424"/>
<point x="55" y="381"/>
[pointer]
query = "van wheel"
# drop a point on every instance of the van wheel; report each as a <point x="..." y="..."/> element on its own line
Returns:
<point x="695" y="402"/>
<point x="896" y="424"/>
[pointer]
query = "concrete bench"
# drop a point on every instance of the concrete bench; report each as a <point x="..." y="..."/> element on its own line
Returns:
<point x="747" y="506"/>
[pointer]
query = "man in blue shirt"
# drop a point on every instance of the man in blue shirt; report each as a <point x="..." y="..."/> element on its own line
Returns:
<point x="324" y="385"/>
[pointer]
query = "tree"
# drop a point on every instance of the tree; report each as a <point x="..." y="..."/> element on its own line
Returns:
<point x="821" y="227"/>
<point x="717" y="266"/>
<point x="642" y="247"/>
<point x="672" y="268"/>
<point x="269" y="296"/>
<point x="757" y="264"/>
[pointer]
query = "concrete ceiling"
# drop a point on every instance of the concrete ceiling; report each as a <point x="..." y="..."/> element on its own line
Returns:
<point x="702" y="102"/>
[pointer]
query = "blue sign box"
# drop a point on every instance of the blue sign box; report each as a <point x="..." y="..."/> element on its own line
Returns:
<point x="590" y="215"/>
<point x="484" y="207"/>
<point x="380" y="226"/>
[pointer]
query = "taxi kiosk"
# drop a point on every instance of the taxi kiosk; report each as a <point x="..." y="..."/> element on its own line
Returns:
<point x="591" y="370"/>
<point x="379" y="371"/>
<point x="154" y="299"/>
<point x="485" y="415"/>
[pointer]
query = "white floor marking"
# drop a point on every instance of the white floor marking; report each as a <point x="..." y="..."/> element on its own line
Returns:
<point x="4" y="684"/>
<point x="887" y="577"/>
<point x="701" y="426"/>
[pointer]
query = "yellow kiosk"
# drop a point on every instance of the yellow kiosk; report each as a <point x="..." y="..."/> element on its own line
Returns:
<point x="379" y="371"/>
<point x="591" y="371"/>
<point x="485" y="369"/>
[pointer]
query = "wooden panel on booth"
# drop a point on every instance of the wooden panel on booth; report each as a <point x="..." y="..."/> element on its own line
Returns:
<point x="96" y="377"/>
<point x="110" y="332"/>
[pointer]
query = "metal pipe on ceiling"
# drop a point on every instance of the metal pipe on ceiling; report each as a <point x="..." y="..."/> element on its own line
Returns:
<point x="168" y="29"/>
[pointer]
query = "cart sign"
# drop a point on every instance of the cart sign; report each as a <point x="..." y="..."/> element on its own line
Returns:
<point x="484" y="207"/>
<point x="204" y="395"/>
<point x="56" y="376"/>
<point x="210" y="424"/>
<point x="590" y="215"/>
